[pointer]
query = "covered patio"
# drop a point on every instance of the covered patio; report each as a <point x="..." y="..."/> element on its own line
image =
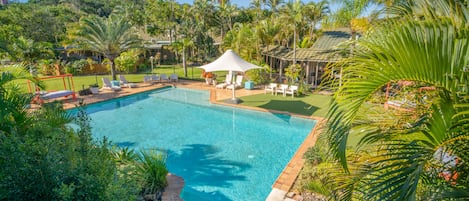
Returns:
<point x="326" y="50"/>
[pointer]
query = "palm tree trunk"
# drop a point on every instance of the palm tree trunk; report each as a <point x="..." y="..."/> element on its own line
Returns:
<point x="184" y="60"/>
<point x="113" y="69"/>
<point x="294" y="46"/>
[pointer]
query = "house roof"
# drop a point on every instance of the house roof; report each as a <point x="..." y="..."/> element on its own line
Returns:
<point x="325" y="49"/>
<point x="332" y="39"/>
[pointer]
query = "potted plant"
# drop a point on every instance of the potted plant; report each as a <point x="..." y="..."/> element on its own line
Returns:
<point x="94" y="88"/>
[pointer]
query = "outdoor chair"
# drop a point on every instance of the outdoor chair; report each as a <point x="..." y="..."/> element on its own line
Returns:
<point x="155" y="78"/>
<point x="271" y="87"/>
<point x="291" y="90"/>
<point x="164" y="78"/>
<point x="108" y="86"/>
<point x="173" y="77"/>
<point x="237" y="84"/>
<point x="147" y="79"/>
<point x="125" y="83"/>
<point x="224" y="84"/>
<point x="45" y="95"/>
<point x="281" y="89"/>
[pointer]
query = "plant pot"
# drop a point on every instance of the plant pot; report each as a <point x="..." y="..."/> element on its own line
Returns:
<point x="94" y="90"/>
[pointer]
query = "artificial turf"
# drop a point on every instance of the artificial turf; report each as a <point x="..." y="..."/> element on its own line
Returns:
<point x="309" y="105"/>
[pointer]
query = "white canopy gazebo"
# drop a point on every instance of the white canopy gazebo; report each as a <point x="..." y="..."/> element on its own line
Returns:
<point x="230" y="61"/>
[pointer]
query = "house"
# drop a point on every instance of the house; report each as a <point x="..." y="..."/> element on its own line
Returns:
<point x="327" y="49"/>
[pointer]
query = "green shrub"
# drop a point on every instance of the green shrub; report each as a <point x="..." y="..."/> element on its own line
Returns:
<point x="152" y="169"/>
<point x="259" y="76"/>
<point x="127" y="61"/>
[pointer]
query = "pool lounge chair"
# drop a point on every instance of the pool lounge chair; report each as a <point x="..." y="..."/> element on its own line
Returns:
<point x="291" y="90"/>
<point x="155" y="78"/>
<point x="173" y="77"/>
<point x="147" y="79"/>
<point x="126" y="83"/>
<point x="41" y="96"/>
<point x="108" y="86"/>
<point x="271" y="87"/>
<point x="281" y="89"/>
<point x="237" y="84"/>
<point x="224" y="84"/>
<point x="164" y="78"/>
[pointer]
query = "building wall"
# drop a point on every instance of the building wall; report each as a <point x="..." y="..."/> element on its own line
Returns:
<point x="3" y="2"/>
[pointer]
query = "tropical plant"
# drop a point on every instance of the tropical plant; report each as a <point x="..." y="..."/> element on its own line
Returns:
<point x="108" y="36"/>
<point x="76" y="67"/>
<point x="423" y="157"/>
<point x="30" y="51"/>
<point x="314" y="13"/>
<point x="43" y="158"/>
<point x="259" y="76"/>
<point x="293" y="15"/>
<point x="127" y="61"/>
<point x="152" y="169"/>
<point x="293" y="73"/>
<point x="14" y="115"/>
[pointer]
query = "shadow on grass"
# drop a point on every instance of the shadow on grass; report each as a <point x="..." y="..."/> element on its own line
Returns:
<point x="292" y="106"/>
<point x="202" y="168"/>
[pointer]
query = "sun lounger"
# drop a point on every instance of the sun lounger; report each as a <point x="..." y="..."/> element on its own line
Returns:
<point x="237" y="84"/>
<point x="271" y="87"/>
<point x="126" y="83"/>
<point x="173" y="77"/>
<point x="108" y="86"/>
<point x="281" y="89"/>
<point x="155" y="78"/>
<point x="147" y="79"/>
<point x="164" y="78"/>
<point x="41" y="96"/>
<point x="226" y="83"/>
<point x="291" y="90"/>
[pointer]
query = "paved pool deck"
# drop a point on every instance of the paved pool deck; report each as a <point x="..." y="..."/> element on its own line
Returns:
<point x="285" y="180"/>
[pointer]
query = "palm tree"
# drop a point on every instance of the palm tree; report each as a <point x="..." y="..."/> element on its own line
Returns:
<point x="274" y="4"/>
<point x="257" y="4"/>
<point x="314" y="13"/>
<point x="293" y="14"/>
<point x="410" y="158"/>
<point x="107" y="36"/>
<point x="14" y="115"/>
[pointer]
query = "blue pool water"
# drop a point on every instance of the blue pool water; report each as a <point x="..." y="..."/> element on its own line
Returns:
<point x="223" y="153"/>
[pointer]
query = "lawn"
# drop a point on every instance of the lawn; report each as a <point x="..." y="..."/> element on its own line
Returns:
<point x="309" y="105"/>
<point x="81" y="82"/>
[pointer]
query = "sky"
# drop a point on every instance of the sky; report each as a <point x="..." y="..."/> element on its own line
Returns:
<point x="242" y="3"/>
<point x="246" y="3"/>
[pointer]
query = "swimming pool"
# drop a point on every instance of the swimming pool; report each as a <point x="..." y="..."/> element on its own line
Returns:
<point x="223" y="153"/>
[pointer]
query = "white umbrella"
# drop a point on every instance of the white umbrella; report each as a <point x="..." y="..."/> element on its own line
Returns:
<point x="229" y="61"/>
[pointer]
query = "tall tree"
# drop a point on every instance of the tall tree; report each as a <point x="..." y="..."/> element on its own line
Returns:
<point x="274" y="4"/>
<point x="314" y="13"/>
<point x="107" y="36"/>
<point x="293" y="15"/>
<point x="424" y="157"/>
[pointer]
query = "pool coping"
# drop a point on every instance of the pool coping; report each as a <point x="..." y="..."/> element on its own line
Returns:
<point x="289" y="174"/>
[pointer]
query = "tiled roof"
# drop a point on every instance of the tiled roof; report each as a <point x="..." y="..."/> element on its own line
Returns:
<point x="310" y="54"/>
<point x="325" y="49"/>
<point x="332" y="39"/>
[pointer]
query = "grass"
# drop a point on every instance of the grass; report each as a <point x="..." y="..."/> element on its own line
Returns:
<point x="308" y="105"/>
<point x="81" y="82"/>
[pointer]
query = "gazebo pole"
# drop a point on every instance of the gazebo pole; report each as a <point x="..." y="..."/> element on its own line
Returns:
<point x="233" y="84"/>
